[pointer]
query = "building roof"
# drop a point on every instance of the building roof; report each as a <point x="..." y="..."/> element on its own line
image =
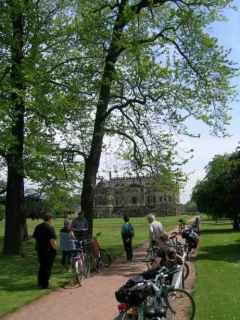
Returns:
<point x="124" y="181"/>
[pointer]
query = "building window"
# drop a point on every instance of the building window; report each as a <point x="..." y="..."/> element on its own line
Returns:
<point x="151" y="199"/>
<point x="134" y="200"/>
<point x="148" y="199"/>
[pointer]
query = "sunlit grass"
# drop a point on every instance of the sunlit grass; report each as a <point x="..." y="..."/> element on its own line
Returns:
<point x="218" y="267"/>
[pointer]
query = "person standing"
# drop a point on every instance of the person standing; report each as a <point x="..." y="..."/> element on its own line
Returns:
<point x="46" y="247"/>
<point x="80" y="227"/>
<point x="127" y="233"/>
<point x="157" y="235"/>
<point x="67" y="243"/>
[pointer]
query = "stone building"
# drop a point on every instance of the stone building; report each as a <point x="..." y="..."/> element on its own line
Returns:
<point x="135" y="196"/>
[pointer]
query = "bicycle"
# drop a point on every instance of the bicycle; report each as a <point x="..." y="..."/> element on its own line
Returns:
<point x="80" y="266"/>
<point x="182" y="250"/>
<point x="191" y="241"/>
<point x="155" y="252"/>
<point x="101" y="258"/>
<point x="157" y="300"/>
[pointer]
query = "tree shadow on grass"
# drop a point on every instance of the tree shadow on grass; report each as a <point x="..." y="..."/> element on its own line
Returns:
<point x="218" y="231"/>
<point x="228" y="253"/>
<point x="20" y="273"/>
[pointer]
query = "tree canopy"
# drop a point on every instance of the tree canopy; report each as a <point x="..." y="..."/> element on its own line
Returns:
<point x="218" y="193"/>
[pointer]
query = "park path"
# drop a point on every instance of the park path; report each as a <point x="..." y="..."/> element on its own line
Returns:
<point x="95" y="300"/>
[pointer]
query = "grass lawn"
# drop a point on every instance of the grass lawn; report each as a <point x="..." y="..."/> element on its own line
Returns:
<point x="18" y="275"/>
<point x="218" y="273"/>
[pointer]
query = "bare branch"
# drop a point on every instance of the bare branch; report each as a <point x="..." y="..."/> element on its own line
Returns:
<point x="73" y="148"/>
<point x="183" y="55"/>
<point x="124" y="105"/>
<point x="136" y="151"/>
<point x="158" y="35"/>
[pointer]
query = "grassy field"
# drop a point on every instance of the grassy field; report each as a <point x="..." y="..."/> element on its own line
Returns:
<point x="218" y="273"/>
<point x="18" y="275"/>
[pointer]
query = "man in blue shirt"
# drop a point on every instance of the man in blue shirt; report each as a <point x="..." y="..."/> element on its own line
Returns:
<point x="127" y="233"/>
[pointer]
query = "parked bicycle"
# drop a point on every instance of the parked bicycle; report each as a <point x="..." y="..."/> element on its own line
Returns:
<point x="80" y="263"/>
<point x="101" y="258"/>
<point x="181" y="249"/>
<point x="191" y="241"/>
<point x="153" y="299"/>
<point x="154" y="252"/>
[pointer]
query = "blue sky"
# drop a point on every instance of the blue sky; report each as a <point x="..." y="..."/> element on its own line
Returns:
<point x="228" y="33"/>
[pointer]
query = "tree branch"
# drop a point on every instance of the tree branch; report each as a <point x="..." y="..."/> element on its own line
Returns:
<point x="73" y="148"/>
<point x="183" y="55"/>
<point x="124" y="105"/>
<point x="136" y="151"/>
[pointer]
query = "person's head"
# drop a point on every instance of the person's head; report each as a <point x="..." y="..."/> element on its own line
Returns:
<point x="80" y="215"/>
<point x="126" y="218"/>
<point x="67" y="224"/>
<point x="48" y="218"/>
<point x="150" y="218"/>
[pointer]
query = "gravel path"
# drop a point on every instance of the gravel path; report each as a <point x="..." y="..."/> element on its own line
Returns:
<point x="95" y="300"/>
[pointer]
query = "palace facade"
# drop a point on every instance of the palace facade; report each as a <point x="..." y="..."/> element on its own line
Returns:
<point x="135" y="196"/>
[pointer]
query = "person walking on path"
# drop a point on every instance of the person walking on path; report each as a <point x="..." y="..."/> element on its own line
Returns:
<point x="127" y="233"/>
<point x="157" y="235"/>
<point x="46" y="247"/>
<point x="67" y="243"/>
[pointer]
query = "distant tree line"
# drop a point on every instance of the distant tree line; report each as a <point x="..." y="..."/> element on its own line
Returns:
<point x="218" y="193"/>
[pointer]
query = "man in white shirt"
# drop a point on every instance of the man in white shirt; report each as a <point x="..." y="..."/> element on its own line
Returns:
<point x="156" y="231"/>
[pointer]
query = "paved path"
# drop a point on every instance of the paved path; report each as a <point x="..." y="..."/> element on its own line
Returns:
<point x="95" y="300"/>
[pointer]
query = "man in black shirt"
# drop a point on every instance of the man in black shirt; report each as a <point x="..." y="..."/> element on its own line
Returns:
<point x="46" y="247"/>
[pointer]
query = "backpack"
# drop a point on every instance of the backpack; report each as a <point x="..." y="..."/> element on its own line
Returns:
<point x="127" y="230"/>
<point x="134" y="292"/>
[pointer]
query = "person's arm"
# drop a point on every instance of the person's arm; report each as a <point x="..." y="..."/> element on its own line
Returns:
<point x="53" y="238"/>
<point x="151" y="235"/>
<point x="72" y="235"/>
<point x="179" y="259"/>
<point x="53" y="243"/>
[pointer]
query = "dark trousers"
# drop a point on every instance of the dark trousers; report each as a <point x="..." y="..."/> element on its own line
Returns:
<point x="46" y="260"/>
<point x="127" y="243"/>
<point x="66" y="258"/>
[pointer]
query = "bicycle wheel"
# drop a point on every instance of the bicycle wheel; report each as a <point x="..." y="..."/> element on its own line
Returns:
<point x="78" y="271"/>
<point x="186" y="270"/>
<point x="105" y="258"/>
<point x="87" y="266"/>
<point x="180" y="305"/>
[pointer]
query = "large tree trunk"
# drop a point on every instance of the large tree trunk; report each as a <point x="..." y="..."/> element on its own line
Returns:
<point x="15" y="221"/>
<point x="92" y="162"/>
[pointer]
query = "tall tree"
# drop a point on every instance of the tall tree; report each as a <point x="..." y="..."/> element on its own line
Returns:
<point x="14" y="156"/>
<point x="153" y="75"/>
<point x="33" y="34"/>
